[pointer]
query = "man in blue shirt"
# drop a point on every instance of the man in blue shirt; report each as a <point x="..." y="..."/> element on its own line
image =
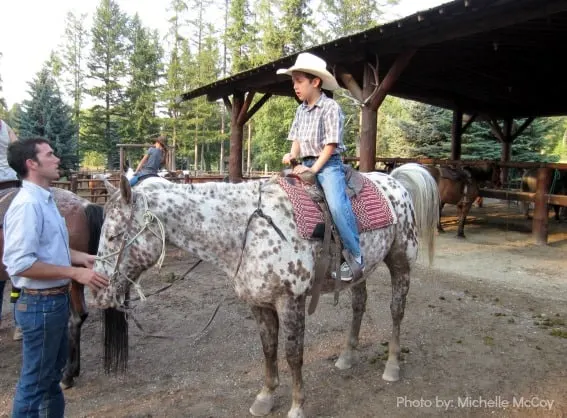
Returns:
<point x="38" y="259"/>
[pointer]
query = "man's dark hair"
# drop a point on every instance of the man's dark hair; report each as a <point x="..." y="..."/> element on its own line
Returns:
<point x="21" y="151"/>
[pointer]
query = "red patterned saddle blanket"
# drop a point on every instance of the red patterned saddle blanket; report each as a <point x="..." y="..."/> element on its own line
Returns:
<point x="371" y="208"/>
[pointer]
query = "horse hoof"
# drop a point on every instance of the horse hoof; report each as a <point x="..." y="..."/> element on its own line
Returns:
<point x="296" y="413"/>
<point x="461" y="236"/>
<point x="344" y="362"/>
<point x="67" y="383"/>
<point x="391" y="373"/>
<point x="262" y="405"/>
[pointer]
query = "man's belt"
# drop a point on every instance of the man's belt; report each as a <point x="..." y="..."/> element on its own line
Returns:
<point x="61" y="290"/>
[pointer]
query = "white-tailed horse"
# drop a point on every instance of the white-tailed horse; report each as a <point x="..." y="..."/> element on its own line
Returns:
<point x="249" y="231"/>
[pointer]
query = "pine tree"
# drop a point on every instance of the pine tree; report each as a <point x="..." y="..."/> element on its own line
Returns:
<point x="175" y="78"/>
<point x="238" y="35"/>
<point x="47" y="116"/>
<point x="73" y="61"/>
<point x="295" y="21"/>
<point x="145" y="69"/>
<point x="346" y="17"/>
<point x="107" y="67"/>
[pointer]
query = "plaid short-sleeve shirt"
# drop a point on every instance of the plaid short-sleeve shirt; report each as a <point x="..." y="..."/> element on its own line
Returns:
<point x="318" y="126"/>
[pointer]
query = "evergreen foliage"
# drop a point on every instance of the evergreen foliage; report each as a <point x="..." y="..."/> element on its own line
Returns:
<point x="47" y="116"/>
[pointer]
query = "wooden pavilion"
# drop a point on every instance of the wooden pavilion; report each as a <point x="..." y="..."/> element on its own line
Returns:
<point x="498" y="60"/>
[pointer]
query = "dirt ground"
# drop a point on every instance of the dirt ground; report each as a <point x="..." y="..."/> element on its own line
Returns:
<point x="484" y="335"/>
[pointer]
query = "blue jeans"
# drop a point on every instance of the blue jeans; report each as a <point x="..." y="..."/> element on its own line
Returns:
<point x="134" y="180"/>
<point x="43" y="320"/>
<point x="332" y="179"/>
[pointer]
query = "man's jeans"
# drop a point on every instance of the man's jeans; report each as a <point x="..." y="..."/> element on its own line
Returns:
<point x="332" y="179"/>
<point x="43" y="320"/>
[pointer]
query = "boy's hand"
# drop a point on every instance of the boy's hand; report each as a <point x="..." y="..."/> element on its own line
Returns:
<point x="300" y="169"/>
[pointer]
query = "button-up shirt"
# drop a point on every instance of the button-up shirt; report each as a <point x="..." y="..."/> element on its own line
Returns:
<point x="34" y="230"/>
<point x="316" y="126"/>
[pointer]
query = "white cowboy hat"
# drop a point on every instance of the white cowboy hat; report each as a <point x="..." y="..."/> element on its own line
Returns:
<point x="311" y="64"/>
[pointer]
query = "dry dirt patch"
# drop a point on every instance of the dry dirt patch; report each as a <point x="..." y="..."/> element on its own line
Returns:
<point x="478" y="328"/>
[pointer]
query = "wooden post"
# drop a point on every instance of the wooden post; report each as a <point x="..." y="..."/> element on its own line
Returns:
<point x="74" y="184"/>
<point x="368" y="124"/>
<point x="456" y="134"/>
<point x="506" y="155"/>
<point x="539" y="224"/>
<point x="248" y="153"/>
<point x="122" y="159"/>
<point x="236" y="135"/>
<point x="375" y="95"/>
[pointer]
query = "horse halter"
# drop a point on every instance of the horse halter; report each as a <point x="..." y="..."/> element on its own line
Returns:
<point x="148" y="218"/>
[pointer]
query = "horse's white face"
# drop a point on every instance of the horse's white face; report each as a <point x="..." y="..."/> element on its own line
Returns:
<point x="130" y="243"/>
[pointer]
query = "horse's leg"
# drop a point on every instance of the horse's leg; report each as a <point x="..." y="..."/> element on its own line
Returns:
<point x="76" y="319"/>
<point x="267" y="320"/>
<point x="291" y="313"/>
<point x="465" y="208"/>
<point x="556" y="210"/>
<point x="399" y="267"/>
<point x="439" y="227"/>
<point x="359" y="296"/>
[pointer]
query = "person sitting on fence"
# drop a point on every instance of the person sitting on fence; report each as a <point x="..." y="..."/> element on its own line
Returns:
<point x="152" y="161"/>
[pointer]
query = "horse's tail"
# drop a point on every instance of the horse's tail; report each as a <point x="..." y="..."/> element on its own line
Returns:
<point x="422" y="187"/>
<point x="115" y="332"/>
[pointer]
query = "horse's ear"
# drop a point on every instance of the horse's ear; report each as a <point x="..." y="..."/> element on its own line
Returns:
<point x="109" y="187"/>
<point x="125" y="189"/>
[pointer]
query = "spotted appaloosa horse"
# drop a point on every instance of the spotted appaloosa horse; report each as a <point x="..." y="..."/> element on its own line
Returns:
<point x="84" y="223"/>
<point x="271" y="266"/>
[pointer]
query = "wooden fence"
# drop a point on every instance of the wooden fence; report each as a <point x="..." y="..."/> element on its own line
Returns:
<point x="95" y="191"/>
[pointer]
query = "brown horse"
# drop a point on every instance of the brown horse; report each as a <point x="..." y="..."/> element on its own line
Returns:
<point x="96" y="186"/>
<point x="84" y="222"/>
<point x="460" y="187"/>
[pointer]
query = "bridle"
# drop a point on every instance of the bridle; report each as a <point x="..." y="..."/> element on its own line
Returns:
<point x="149" y="217"/>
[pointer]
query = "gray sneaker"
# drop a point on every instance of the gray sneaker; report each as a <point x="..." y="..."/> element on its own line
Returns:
<point x="346" y="272"/>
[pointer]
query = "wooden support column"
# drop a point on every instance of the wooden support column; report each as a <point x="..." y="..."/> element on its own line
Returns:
<point x="456" y="134"/>
<point x="375" y="91"/>
<point x="122" y="159"/>
<point x="539" y="225"/>
<point x="368" y="124"/>
<point x="236" y="135"/>
<point x="239" y="116"/>
<point x="506" y="154"/>
<point x="506" y="138"/>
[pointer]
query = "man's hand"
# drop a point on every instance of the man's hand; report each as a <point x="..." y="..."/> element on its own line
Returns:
<point x="79" y="258"/>
<point x="91" y="279"/>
